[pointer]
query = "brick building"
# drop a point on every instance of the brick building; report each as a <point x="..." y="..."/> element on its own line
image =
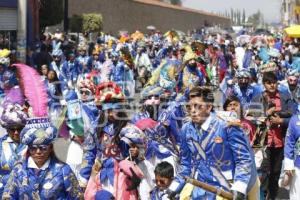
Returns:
<point x="134" y="15"/>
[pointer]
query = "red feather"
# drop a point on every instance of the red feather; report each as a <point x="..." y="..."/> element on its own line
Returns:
<point x="34" y="89"/>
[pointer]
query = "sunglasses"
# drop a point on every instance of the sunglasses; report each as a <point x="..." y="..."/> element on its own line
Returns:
<point x="34" y="148"/>
<point x="86" y="92"/>
<point x="12" y="130"/>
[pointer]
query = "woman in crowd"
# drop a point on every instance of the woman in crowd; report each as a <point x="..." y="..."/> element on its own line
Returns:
<point x="13" y="119"/>
<point x="41" y="175"/>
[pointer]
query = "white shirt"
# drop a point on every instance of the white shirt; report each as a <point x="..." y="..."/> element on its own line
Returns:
<point x="32" y="164"/>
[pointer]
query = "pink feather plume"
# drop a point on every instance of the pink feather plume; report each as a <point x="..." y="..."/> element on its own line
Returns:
<point x="34" y="89"/>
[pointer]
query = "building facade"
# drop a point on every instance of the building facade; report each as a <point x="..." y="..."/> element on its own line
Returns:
<point x="134" y="15"/>
<point x="9" y="23"/>
<point x="290" y="12"/>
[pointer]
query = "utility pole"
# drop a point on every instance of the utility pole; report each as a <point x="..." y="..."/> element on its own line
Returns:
<point x="66" y="13"/>
<point x="22" y="31"/>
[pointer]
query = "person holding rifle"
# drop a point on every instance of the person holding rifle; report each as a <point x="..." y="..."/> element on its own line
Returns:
<point x="215" y="151"/>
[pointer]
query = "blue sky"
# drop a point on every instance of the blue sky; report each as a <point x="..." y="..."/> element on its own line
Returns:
<point x="270" y="8"/>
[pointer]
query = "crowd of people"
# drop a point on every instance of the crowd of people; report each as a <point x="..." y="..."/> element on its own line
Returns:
<point x="141" y="117"/>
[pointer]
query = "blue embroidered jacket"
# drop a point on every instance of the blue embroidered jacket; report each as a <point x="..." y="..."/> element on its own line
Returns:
<point x="10" y="153"/>
<point x="55" y="182"/>
<point x="292" y="144"/>
<point x="216" y="154"/>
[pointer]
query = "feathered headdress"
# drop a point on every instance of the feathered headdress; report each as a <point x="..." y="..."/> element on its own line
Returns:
<point x="34" y="89"/>
<point x="189" y="55"/>
<point x="38" y="128"/>
<point x="14" y="96"/>
<point x="108" y="95"/>
<point x="56" y="48"/>
<point x="126" y="55"/>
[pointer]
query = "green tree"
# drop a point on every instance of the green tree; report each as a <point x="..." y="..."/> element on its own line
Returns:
<point x="256" y="19"/>
<point x="176" y="2"/>
<point x="51" y="12"/>
<point x="235" y="17"/>
<point x="92" y="22"/>
<point x="232" y="15"/>
<point x="244" y="17"/>
<point x="238" y="14"/>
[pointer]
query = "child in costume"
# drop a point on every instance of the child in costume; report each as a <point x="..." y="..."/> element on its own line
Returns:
<point x="159" y="146"/>
<point x="136" y="141"/>
<point x="103" y="147"/>
<point x="126" y="173"/>
<point x="164" y="175"/>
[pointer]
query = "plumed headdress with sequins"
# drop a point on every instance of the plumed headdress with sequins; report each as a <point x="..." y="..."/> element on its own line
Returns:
<point x="88" y="84"/>
<point x="131" y="134"/>
<point x="38" y="128"/>
<point x="13" y="116"/>
<point x="109" y="95"/>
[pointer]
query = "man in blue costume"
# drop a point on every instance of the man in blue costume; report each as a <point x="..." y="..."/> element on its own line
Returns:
<point x="243" y="89"/>
<point x="70" y="71"/>
<point x="215" y="152"/>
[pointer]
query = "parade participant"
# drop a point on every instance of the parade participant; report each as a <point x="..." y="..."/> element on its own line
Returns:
<point x="278" y="108"/>
<point x="174" y="116"/>
<point x="41" y="175"/>
<point x="255" y="130"/>
<point x="13" y="119"/>
<point x="291" y="86"/>
<point x="110" y="150"/>
<point x="164" y="175"/>
<point x="243" y="88"/>
<point x="4" y="63"/>
<point x="143" y="64"/>
<point x="103" y="146"/>
<point x="86" y="90"/>
<point x="136" y="141"/>
<point x="203" y="140"/>
<point x="54" y="93"/>
<point x="89" y="111"/>
<point x="164" y="77"/>
<point x="57" y="62"/>
<point x="233" y="104"/>
<point x="103" y="74"/>
<point x="122" y="75"/>
<point x="81" y="120"/>
<point x="70" y="70"/>
<point x="223" y="60"/>
<point x="150" y="100"/>
<point x="190" y="75"/>
<point x="160" y="146"/>
<point x="44" y="71"/>
<point x="83" y="58"/>
<point x="292" y="157"/>
<point x="94" y="61"/>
